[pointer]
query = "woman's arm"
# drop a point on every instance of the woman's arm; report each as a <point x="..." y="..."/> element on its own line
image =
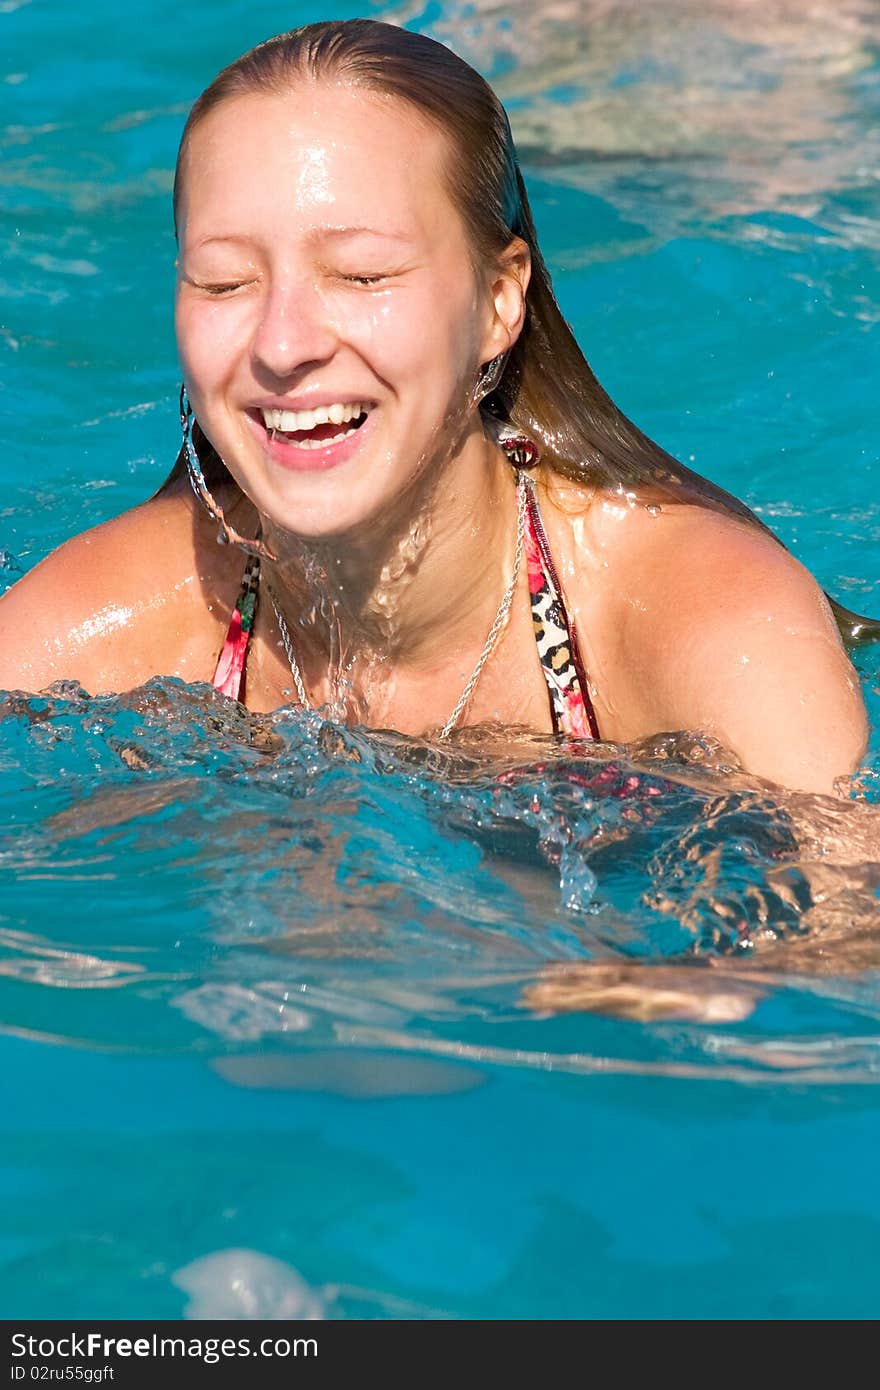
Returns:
<point x="116" y="605"/>
<point x="56" y="623"/>
<point x="734" y="636"/>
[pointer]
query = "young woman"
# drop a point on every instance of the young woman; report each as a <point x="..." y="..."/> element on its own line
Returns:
<point x="437" y="516"/>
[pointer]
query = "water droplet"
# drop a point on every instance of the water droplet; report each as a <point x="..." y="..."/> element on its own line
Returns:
<point x="577" y="882"/>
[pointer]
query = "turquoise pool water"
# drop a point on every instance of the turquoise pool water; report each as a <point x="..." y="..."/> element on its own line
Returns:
<point x="267" y="989"/>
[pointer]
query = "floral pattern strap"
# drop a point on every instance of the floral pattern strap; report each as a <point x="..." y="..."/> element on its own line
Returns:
<point x="229" y="675"/>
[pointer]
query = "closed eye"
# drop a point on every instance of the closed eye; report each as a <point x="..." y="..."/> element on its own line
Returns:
<point x="217" y="287"/>
<point x="226" y="288"/>
<point x="364" y="279"/>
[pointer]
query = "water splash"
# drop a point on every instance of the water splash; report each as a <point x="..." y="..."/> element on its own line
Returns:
<point x="279" y="878"/>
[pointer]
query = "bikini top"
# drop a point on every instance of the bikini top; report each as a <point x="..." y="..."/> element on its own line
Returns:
<point x="571" y="708"/>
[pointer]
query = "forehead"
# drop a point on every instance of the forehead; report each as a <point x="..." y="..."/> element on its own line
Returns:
<point x="322" y="153"/>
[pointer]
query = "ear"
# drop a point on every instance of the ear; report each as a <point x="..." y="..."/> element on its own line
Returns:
<point x="507" y="283"/>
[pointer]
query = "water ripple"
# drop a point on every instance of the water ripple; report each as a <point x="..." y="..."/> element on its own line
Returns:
<point x="325" y="878"/>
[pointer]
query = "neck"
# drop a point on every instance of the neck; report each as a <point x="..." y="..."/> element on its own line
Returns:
<point x="407" y="593"/>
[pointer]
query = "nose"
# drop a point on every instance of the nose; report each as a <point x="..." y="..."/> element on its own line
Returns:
<point x="295" y="329"/>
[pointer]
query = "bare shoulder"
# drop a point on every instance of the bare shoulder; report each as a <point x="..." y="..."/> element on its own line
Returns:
<point x="696" y="556"/>
<point x="728" y="632"/>
<point x="693" y="578"/>
<point x="137" y="596"/>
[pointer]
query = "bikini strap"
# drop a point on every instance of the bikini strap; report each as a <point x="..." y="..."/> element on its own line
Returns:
<point x="570" y="704"/>
<point x="230" y="673"/>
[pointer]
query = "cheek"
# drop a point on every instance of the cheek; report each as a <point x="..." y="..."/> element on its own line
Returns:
<point x="209" y="338"/>
<point x="408" y="336"/>
<point x="387" y="329"/>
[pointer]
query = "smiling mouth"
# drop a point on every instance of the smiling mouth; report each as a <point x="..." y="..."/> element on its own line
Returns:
<point x="316" y="429"/>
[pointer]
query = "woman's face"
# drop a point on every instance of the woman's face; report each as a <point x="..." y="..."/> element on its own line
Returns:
<point x="324" y="268"/>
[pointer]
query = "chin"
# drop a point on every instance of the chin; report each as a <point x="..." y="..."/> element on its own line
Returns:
<point x="329" y="518"/>
<point x="360" y="506"/>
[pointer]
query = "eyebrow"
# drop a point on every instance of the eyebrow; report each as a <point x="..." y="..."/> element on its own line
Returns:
<point x="340" y="232"/>
<point x="211" y="240"/>
<point x="319" y="234"/>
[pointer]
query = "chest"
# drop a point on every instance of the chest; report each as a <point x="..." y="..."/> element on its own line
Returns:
<point x="556" y="666"/>
<point x="510" y="686"/>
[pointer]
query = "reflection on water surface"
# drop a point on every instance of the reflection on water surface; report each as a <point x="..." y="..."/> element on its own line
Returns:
<point x="334" y="886"/>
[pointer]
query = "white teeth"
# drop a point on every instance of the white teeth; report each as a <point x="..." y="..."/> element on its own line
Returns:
<point x="337" y="414"/>
<point x="318" y="443"/>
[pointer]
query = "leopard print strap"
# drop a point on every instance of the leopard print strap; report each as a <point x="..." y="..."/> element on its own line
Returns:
<point x="570" y="704"/>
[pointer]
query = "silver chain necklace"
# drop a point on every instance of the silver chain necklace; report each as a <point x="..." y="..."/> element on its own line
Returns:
<point x="488" y="646"/>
